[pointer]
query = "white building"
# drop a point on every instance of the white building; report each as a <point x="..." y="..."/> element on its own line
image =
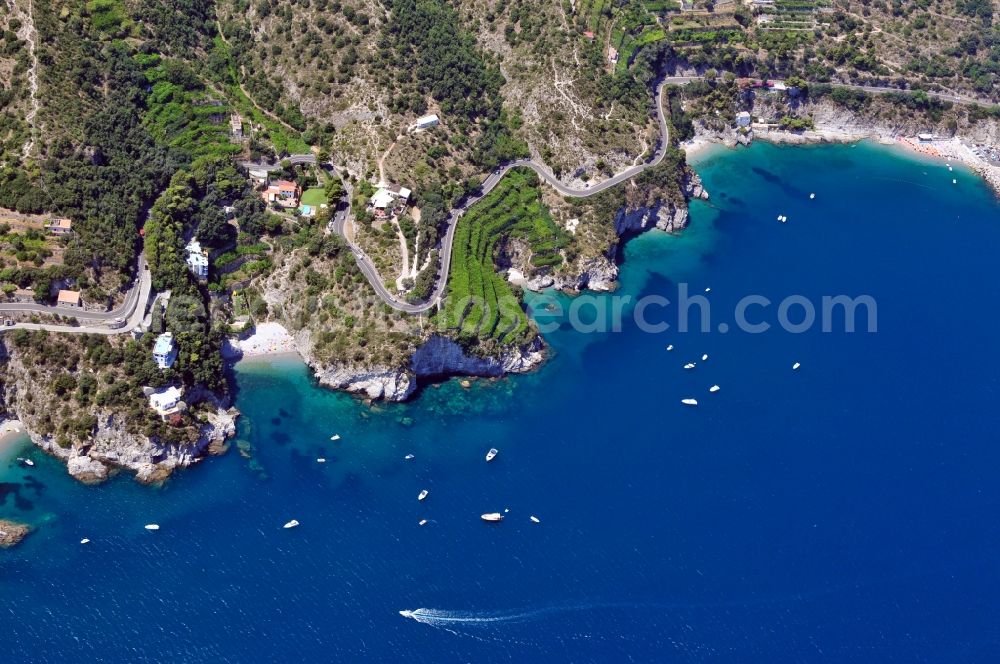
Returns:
<point x="197" y="260"/>
<point x="387" y="199"/>
<point x="743" y="119"/>
<point x="166" y="400"/>
<point x="165" y="350"/>
<point x="427" y="121"/>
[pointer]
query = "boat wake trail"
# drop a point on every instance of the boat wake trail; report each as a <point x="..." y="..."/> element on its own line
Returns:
<point x="455" y="619"/>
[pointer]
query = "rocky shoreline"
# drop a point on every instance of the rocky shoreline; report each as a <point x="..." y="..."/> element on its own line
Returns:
<point x="437" y="357"/>
<point x="111" y="448"/>
<point x="838" y="125"/>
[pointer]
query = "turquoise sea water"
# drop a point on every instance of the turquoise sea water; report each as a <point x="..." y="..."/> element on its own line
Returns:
<point x="846" y="511"/>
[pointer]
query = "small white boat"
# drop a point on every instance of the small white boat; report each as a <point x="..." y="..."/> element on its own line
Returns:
<point x="85" y="541"/>
<point x="954" y="181"/>
<point x="689" y="365"/>
<point x="492" y="517"/>
<point x="335" y="436"/>
<point x="29" y="462"/>
<point x="320" y="460"/>
<point x="670" y="347"/>
<point x="689" y="402"/>
<point x="780" y="218"/>
<point x="714" y="388"/>
<point x="422" y="495"/>
<point x="151" y="526"/>
<point x="949" y="168"/>
<point x="812" y="196"/>
<point x="796" y="366"/>
<point x="408" y="457"/>
<point x="423" y="522"/>
<point x="535" y="519"/>
<point x="708" y="290"/>
<point x="491" y="454"/>
<point x="290" y="524"/>
<point x="704" y="358"/>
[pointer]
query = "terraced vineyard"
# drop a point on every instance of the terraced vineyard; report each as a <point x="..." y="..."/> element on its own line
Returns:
<point x="480" y="303"/>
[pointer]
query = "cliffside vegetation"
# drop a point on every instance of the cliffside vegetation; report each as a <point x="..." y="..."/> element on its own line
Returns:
<point x="65" y="382"/>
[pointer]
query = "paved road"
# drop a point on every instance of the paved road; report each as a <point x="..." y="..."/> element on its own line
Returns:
<point x="294" y="159"/>
<point x="90" y="321"/>
<point x="368" y="268"/>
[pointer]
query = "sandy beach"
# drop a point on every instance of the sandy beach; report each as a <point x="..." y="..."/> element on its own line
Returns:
<point x="267" y="339"/>
<point x="10" y="431"/>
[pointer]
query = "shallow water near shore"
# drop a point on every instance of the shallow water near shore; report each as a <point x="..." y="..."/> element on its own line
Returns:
<point x="846" y="511"/>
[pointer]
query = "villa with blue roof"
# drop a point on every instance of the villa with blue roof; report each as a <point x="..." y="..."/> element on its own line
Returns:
<point x="165" y="350"/>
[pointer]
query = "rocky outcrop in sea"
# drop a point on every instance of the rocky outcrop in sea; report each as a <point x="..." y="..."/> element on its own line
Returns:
<point x="12" y="533"/>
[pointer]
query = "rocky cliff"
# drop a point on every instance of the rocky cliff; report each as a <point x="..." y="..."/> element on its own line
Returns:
<point x="643" y="209"/>
<point x="437" y="356"/>
<point x="113" y="447"/>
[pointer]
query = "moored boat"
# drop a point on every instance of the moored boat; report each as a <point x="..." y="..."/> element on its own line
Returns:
<point x="491" y="454"/>
<point x="151" y="526"/>
<point x="689" y="402"/>
<point x="535" y="519"/>
<point x="422" y="495"/>
<point x="291" y="524"/>
<point x="492" y="517"/>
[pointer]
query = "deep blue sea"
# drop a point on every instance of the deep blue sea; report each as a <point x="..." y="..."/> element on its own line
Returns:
<point x="846" y="511"/>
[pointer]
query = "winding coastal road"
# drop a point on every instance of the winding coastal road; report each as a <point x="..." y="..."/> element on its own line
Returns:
<point x="371" y="273"/>
<point x="130" y="313"/>
<point x="368" y="268"/>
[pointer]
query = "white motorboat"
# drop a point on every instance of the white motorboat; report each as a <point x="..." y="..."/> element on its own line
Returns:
<point x="291" y="524"/>
<point x="796" y="366"/>
<point x="689" y="365"/>
<point x="408" y="457"/>
<point x="492" y="517"/>
<point x="335" y="436"/>
<point x="704" y="358"/>
<point x="812" y="196"/>
<point x="535" y="519"/>
<point x="491" y="454"/>
<point x="422" y="495"/>
<point x="670" y="347"/>
<point x="689" y="402"/>
<point x="714" y="388"/>
<point x="85" y="541"/>
<point x="152" y="526"/>
<point x="423" y="522"/>
<point x="320" y="460"/>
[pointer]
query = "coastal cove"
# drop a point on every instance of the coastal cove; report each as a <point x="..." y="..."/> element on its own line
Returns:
<point x="843" y="511"/>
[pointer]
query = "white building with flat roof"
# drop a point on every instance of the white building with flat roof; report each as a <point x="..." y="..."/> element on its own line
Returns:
<point x="165" y="401"/>
<point x="165" y="350"/>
